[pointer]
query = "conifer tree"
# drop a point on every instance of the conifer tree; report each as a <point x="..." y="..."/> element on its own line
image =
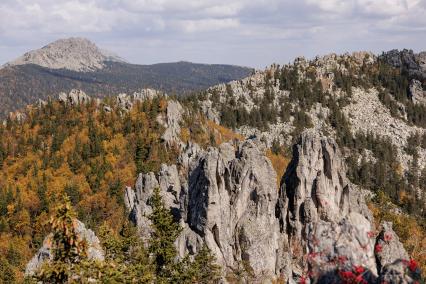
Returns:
<point x="141" y="154"/>
<point x="165" y="232"/>
<point x="206" y="271"/>
<point x="67" y="248"/>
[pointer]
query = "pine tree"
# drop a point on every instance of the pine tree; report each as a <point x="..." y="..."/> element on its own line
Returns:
<point x="7" y="275"/>
<point x="67" y="248"/>
<point x="206" y="271"/>
<point x="165" y="232"/>
<point x="2" y="155"/>
<point x="141" y="154"/>
<point x="95" y="140"/>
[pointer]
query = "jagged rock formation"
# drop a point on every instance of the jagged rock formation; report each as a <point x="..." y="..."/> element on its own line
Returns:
<point x="227" y="198"/>
<point x="125" y="102"/>
<point x="320" y="210"/>
<point x="235" y="183"/>
<point x="391" y="257"/>
<point x="77" y="54"/>
<point x="94" y="250"/>
<point x="391" y="249"/>
<point x="173" y="118"/>
<point x="74" y="97"/>
<point x="407" y="60"/>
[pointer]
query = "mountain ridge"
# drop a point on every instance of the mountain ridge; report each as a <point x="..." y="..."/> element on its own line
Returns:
<point x="44" y="73"/>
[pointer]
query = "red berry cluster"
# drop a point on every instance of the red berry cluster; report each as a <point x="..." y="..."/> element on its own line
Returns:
<point x="354" y="276"/>
<point x="411" y="265"/>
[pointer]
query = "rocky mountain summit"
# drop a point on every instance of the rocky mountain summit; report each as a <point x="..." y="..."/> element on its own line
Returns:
<point x="76" y="54"/>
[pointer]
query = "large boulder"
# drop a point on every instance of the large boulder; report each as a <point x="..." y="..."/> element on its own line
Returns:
<point x="94" y="249"/>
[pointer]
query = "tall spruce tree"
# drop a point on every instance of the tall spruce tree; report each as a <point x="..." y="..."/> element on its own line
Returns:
<point x="67" y="248"/>
<point x="165" y="232"/>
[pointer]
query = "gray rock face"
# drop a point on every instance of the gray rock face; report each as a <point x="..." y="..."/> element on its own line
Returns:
<point x="146" y="94"/>
<point x="94" y="250"/>
<point x="389" y="248"/>
<point x="138" y="200"/>
<point x="227" y="198"/>
<point x="231" y="204"/>
<point x="173" y="118"/>
<point x="315" y="208"/>
<point x="406" y="59"/>
<point x="77" y="54"/>
<point x="74" y="97"/>
<point x="417" y="95"/>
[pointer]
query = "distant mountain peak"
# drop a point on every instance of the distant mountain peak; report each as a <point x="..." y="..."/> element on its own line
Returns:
<point x="75" y="53"/>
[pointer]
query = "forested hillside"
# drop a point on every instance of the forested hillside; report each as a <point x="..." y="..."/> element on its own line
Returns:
<point x="90" y="156"/>
<point x="25" y="84"/>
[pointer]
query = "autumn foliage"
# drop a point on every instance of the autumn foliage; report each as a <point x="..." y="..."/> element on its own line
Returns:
<point x="82" y="151"/>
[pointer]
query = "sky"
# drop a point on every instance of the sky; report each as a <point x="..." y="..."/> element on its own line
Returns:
<point x="253" y="33"/>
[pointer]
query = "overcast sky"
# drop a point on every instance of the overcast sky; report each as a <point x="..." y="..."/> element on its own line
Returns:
<point x="245" y="32"/>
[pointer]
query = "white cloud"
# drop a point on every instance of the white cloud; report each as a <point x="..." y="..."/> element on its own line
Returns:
<point x="206" y="25"/>
<point x="335" y="6"/>
<point x="209" y="30"/>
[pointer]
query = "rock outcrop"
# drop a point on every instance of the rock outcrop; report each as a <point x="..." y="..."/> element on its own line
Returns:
<point x="417" y="95"/>
<point x="147" y="94"/>
<point x="94" y="250"/>
<point x="390" y="248"/>
<point x="172" y="122"/>
<point x="74" y="97"/>
<point x="364" y="109"/>
<point x="227" y="198"/>
<point x="124" y="102"/>
<point x="321" y="211"/>
<point x="407" y="60"/>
